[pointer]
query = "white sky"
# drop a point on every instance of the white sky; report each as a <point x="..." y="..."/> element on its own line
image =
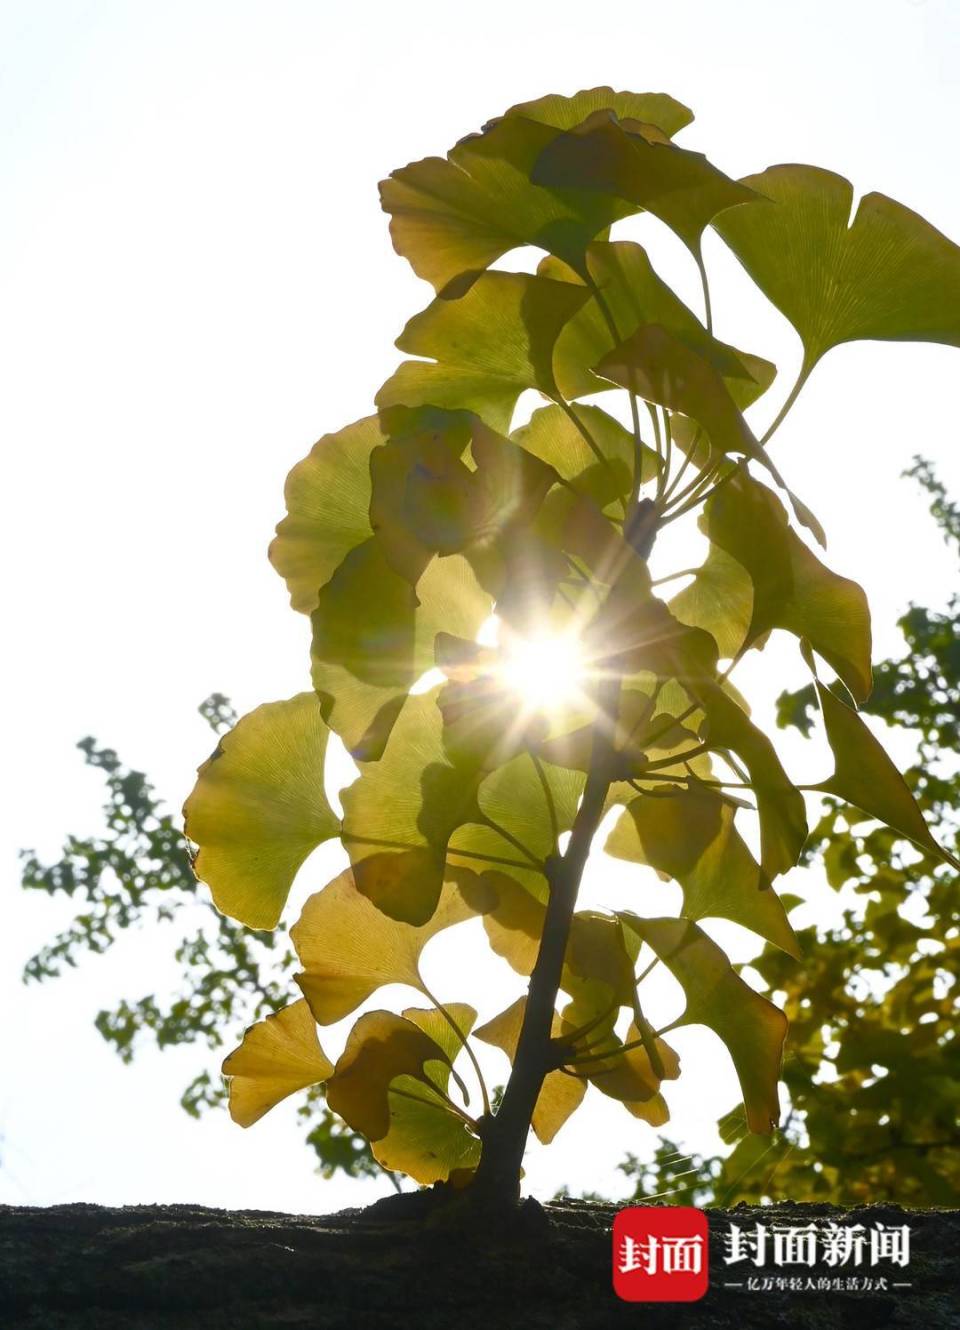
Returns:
<point x="197" y="282"/>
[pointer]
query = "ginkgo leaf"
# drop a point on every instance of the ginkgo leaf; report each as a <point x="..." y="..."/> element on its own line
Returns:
<point x="381" y="1047"/>
<point x="865" y="776"/>
<point x="780" y="806"/>
<point x="419" y="487"/>
<point x="534" y="803"/>
<point x="689" y="834"/>
<point x="662" y="368"/>
<point x="560" y="1095"/>
<point x="680" y="187"/>
<point x="719" y="600"/>
<point x="364" y="663"/>
<point x="348" y="948"/>
<point x="426" y="1139"/>
<point x="599" y="959"/>
<point x="629" y="1076"/>
<point x="881" y="273"/>
<point x="792" y="589"/>
<point x="258" y="809"/>
<point x="328" y="499"/>
<point x="752" y="1028"/>
<point x="634" y="295"/>
<point x="399" y="816"/>
<point x="452" y="217"/>
<point x="487" y="347"/>
<point x="552" y="436"/>
<point x="278" y="1056"/>
<point x="648" y="108"/>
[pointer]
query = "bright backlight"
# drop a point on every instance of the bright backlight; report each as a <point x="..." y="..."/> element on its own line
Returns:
<point x="547" y="672"/>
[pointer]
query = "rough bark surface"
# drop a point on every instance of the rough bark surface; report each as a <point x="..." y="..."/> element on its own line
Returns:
<point x="167" y="1267"/>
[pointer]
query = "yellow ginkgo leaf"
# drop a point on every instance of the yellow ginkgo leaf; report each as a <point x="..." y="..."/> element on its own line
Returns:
<point x="427" y="1140"/>
<point x="259" y="808"/>
<point x="278" y="1056"/>
<point x="561" y="1094"/>
<point x="348" y="948"/>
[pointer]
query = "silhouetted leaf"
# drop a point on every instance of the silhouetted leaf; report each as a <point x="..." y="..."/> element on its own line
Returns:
<point x="328" y="498"/>
<point x="487" y="347"/>
<point x="560" y="1095"/>
<point x="373" y="638"/>
<point x="719" y="600"/>
<point x="258" y="808"/>
<point x="865" y="776"/>
<point x="680" y="187"/>
<point x="278" y="1056"/>
<point x="399" y="816"/>
<point x="792" y="589"/>
<point x="348" y="948"/>
<point x="690" y="835"/>
<point x="646" y="108"/>
<point x="426" y="1139"/>
<point x="752" y="1028"/>
<point x="633" y="296"/>
<point x="380" y="1048"/>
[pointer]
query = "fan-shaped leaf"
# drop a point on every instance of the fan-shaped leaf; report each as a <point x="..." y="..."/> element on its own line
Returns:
<point x="865" y="777"/>
<point x="752" y="1028"/>
<point x="487" y="347"/>
<point x="633" y="296"/>
<point x="258" y="808"/>
<point x="381" y="1047"/>
<point x="792" y="589"/>
<point x="689" y="834"/>
<point x="426" y="1139"/>
<point x="647" y="108"/>
<point x="278" y="1056"/>
<point x="348" y="948"/>
<point x="882" y="273"/>
<point x="561" y="1095"/>
<point x="719" y="600"/>
<point x="328" y="498"/>
<point x="680" y="187"/>
<point x="373" y="638"/>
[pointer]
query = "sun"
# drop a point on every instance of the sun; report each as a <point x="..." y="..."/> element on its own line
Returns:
<point x="547" y="672"/>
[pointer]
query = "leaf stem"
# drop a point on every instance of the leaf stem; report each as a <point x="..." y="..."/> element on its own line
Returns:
<point x="792" y="396"/>
<point x="464" y="1043"/>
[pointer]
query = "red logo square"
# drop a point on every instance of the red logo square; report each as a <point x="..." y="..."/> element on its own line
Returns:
<point x="660" y="1254"/>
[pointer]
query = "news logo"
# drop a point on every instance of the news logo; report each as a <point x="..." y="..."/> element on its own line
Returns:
<point x="660" y="1254"/>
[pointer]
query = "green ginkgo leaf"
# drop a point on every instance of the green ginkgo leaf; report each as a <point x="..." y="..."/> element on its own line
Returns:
<point x="420" y="487"/>
<point x="881" y="273"/>
<point x="399" y="816"/>
<point x="486" y="348"/>
<point x="633" y="295"/>
<point x="792" y="589"/>
<point x="348" y="948"/>
<point x="328" y="498"/>
<point x="380" y="1048"/>
<point x="426" y="1139"/>
<point x="682" y="188"/>
<point x="662" y="368"/>
<point x="561" y="1095"/>
<point x="752" y="1028"/>
<point x="646" y="108"/>
<point x="719" y="600"/>
<point x="364" y="663"/>
<point x="557" y="440"/>
<point x="259" y="808"/>
<point x="689" y="834"/>
<point x="780" y="806"/>
<point x="865" y="776"/>
<point x="278" y="1056"/>
<point x="452" y="217"/>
